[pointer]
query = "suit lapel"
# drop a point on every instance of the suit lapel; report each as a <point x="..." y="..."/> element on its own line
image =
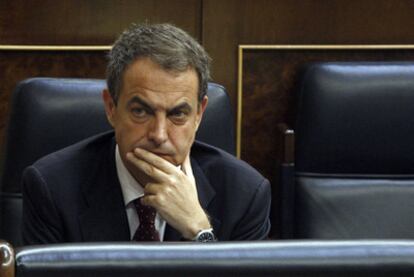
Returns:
<point x="205" y="192"/>
<point x="104" y="218"/>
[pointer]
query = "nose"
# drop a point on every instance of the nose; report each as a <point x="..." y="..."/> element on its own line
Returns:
<point x="158" y="130"/>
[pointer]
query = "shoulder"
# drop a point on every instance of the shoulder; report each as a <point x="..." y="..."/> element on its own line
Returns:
<point x="85" y="149"/>
<point x="75" y="158"/>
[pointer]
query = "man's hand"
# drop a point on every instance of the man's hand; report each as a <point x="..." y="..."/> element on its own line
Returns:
<point x="172" y="193"/>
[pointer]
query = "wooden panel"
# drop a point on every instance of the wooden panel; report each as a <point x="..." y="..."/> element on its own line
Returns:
<point x="89" y="22"/>
<point x="19" y="65"/>
<point x="75" y="22"/>
<point x="226" y="24"/>
<point x="269" y="98"/>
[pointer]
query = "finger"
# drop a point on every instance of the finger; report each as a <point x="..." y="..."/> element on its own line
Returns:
<point x="152" y="189"/>
<point x="147" y="168"/>
<point x="155" y="160"/>
<point x="147" y="200"/>
<point x="155" y="201"/>
<point x="161" y="191"/>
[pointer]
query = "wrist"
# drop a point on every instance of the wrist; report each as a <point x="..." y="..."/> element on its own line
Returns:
<point x="196" y="227"/>
<point x="206" y="235"/>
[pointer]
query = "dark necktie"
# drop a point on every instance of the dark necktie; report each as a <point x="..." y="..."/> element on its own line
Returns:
<point x="146" y="230"/>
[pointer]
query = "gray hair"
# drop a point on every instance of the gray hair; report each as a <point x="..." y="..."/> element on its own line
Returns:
<point x="166" y="45"/>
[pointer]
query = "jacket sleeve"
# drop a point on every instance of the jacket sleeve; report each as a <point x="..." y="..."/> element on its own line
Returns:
<point x="255" y="224"/>
<point x="40" y="220"/>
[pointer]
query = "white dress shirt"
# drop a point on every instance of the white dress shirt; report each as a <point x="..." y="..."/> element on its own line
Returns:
<point x="132" y="190"/>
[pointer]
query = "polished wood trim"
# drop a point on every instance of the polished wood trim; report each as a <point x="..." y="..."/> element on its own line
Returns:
<point x="283" y="47"/>
<point x="327" y="47"/>
<point x="239" y="103"/>
<point x="55" y="47"/>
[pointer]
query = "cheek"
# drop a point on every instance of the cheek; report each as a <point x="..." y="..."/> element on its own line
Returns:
<point x="129" y="135"/>
<point x="182" y="139"/>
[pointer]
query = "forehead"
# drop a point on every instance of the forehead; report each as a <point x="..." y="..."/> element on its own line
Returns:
<point x="149" y="80"/>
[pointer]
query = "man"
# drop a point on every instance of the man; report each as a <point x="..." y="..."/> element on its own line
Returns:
<point x="111" y="186"/>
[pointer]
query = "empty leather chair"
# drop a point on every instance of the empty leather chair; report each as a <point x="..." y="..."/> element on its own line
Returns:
<point x="354" y="152"/>
<point x="48" y="114"/>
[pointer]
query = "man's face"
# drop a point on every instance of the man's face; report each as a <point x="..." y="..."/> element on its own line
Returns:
<point x="157" y="110"/>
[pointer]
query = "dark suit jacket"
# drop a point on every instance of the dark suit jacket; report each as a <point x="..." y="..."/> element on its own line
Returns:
<point x="74" y="195"/>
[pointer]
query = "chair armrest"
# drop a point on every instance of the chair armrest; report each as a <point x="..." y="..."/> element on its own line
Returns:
<point x="6" y="259"/>
<point x="288" y="140"/>
<point x="286" y="182"/>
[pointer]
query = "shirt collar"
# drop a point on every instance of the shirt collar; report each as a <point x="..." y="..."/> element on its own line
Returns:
<point x="131" y="189"/>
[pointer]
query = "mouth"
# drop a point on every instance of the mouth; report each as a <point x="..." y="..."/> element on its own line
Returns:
<point x="155" y="151"/>
<point x="169" y="157"/>
<point x="161" y="154"/>
<point x="165" y="154"/>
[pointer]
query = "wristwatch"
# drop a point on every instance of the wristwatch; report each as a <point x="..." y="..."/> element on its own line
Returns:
<point x="206" y="235"/>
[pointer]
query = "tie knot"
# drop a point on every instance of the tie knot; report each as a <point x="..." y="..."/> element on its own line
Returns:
<point x="146" y="214"/>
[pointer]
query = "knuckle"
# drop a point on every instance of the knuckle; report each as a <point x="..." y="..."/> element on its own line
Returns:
<point x="173" y="181"/>
<point x="159" y="200"/>
<point x="148" y="188"/>
<point x="168" y="190"/>
<point x="157" y="163"/>
<point x="149" y="170"/>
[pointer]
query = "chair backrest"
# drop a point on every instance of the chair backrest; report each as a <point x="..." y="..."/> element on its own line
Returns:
<point x="48" y="114"/>
<point x="300" y="258"/>
<point x="354" y="160"/>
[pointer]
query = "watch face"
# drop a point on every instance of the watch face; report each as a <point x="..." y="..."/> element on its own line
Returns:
<point x="206" y="236"/>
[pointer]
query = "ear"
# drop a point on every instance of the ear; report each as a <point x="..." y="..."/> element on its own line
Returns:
<point x="201" y="108"/>
<point x="110" y="107"/>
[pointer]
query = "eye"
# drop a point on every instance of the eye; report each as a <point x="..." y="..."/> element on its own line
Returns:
<point x="179" y="116"/>
<point x="139" y="112"/>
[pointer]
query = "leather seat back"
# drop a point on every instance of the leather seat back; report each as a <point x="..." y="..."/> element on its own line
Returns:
<point x="354" y="148"/>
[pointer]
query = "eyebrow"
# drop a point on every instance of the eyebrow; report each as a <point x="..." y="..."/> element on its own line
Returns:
<point x="140" y="101"/>
<point x="137" y="99"/>
<point x="182" y="106"/>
